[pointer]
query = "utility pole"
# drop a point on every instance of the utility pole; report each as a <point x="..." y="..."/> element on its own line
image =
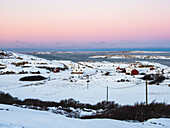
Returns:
<point x="107" y="95"/>
<point x="88" y="82"/>
<point x="146" y="92"/>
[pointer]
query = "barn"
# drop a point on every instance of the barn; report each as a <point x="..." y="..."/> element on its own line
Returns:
<point x="134" y="72"/>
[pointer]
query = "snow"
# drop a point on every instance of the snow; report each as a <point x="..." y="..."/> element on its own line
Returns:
<point x="13" y="117"/>
<point x="62" y="85"/>
<point x="130" y="56"/>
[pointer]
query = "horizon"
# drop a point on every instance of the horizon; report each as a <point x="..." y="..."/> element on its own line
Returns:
<point x="89" y="50"/>
<point x="84" y="24"/>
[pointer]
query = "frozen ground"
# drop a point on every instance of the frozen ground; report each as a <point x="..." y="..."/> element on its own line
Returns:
<point x="62" y="85"/>
<point x="59" y="87"/>
<point x="13" y="117"/>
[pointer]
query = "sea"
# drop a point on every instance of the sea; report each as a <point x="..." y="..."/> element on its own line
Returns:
<point x="77" y="55"/>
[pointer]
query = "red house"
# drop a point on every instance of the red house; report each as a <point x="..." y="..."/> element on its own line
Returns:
<point x="120" y="70"/>
<point x="117" y="68"/>
<point x="134" y="72"/>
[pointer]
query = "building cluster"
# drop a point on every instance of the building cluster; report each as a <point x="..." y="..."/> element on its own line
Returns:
<point x="131" y="70"/>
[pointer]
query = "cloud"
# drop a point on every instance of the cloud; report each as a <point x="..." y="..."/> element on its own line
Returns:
<point x="18" y="44"/>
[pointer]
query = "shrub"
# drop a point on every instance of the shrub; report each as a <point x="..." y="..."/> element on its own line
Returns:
<point x="6" y="98"/>
<point x="139" y="111"/>
<point x="20" y="63"/>
<point x="32" y="78"/>
<point x="111" y="110"/>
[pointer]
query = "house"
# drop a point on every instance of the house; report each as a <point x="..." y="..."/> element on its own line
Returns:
<point x="120" y="70"/>
<point x="152" y="68"/>
<point x="117" y="69"/>
<point x="77" y="70"/>
<point x="134" y="72"/>
<point x="71" y="65"/>
<point x="129" y="69"/>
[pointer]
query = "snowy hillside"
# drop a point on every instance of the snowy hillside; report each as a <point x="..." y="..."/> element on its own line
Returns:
<point x="13" y="117"/>
<point x="123" y="89"/>
<point x="83" y="81"/>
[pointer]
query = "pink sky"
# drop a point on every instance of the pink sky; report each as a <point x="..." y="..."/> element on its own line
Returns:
<point x="84" y="22"/>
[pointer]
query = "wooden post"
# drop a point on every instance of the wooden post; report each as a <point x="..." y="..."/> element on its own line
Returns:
<point x="146" y="92"/>
<point x="107" y="95"/>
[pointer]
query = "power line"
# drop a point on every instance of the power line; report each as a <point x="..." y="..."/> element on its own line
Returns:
<point x="121" y="87"/>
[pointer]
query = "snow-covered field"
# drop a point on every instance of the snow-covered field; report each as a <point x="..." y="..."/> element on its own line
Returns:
<point x="13" y="117"/>
<point x="64" y="85"/>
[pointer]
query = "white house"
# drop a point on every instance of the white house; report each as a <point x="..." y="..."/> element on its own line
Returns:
<point x="77" y="70"/>
<point x="71" y="65"/>
<point x="129" y="70"/>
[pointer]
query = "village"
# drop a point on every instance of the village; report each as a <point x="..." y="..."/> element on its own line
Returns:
<point x="84" y="64"/>
<point x="26" y="76"/>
